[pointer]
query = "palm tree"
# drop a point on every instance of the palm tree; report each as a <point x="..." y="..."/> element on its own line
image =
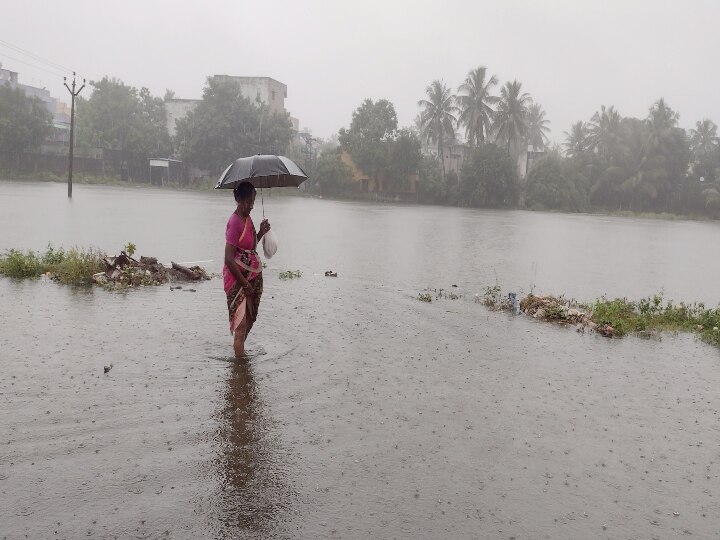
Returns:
<point x="660" y="121"/>
<point x="605" y="131"/>
<point x="537" y="128"/>
<point x="577" y="141"/>
<point x="511" y="114"/>
<point x="475" y="105"/>
<point x="437" y="118"/>
<point x="704" y="139"/>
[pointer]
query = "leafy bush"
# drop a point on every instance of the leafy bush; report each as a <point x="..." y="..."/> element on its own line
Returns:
<point x="74" y="267"/>
<point x="17" y="264"/>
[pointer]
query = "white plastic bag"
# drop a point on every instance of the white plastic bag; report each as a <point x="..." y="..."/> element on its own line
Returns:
<point x="269" y="244"/>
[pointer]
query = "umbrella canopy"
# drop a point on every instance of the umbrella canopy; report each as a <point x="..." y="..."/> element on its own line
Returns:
<point x="262" y="171"/>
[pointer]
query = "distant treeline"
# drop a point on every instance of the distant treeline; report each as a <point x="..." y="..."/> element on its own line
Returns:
<point x="609" y="162"/>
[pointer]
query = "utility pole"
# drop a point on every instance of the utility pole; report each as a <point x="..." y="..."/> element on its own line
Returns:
<point x="74" y="94"/>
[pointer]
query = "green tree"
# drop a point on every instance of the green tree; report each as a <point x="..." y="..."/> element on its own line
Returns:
<point x="155" y="136"/>
<point x="431" y="187"/>
<point x="475" y="104"/>
<point x="24" y="121"/>
<point x="704" y="139"/>
<point x="646" y="167"/>
<point x="604" y="131"/>
<point x="577" y="141"/>
<point x="404" y="158"/>
<point x="333" y="176"/>
<point x="537" y="126"/>
<point x="437" y="117"/>
<point x="510" y="117"/>
<point x="118" y="117"/>
<point x="489" y="178"/>
<point x="225" y="125"/>
<point x="373" y="125"/>
<point x="705" y="148"/>
<point x="550" y="185"/>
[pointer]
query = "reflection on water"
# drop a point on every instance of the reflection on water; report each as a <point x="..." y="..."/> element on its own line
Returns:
<point x="254" y="489"/>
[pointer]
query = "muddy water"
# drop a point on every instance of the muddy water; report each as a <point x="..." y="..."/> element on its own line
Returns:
<point x="362" y="413"/>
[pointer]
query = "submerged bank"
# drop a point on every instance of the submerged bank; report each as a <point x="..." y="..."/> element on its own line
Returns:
<point x="618" y="317"/>
<point x="85" y="266"/>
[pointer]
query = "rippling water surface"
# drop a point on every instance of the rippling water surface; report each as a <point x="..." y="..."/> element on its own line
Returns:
<point x="362" y="413"/>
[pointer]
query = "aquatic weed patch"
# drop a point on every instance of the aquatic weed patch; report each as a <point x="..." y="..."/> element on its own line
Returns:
<point x="427" y="295"/>
<point x="619" y="317"/>
<point x="72" y="267"/>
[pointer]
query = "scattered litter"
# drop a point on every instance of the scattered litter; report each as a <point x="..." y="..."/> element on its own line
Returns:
<point x="330" y="273"/>
<point x="124" y="271"/>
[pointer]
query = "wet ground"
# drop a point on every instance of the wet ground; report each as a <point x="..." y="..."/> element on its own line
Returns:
<point x="362" y="412"/>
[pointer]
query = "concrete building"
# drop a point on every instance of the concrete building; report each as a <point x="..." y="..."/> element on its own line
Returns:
<point x="454" y="154"/>
<point x="261" y="89"/>
<point x="257" y="89"/>
<point x="177" y="109"/>
<point x="60" y="110"/>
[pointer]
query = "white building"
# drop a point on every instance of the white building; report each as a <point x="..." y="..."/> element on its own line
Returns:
<point x="261" y="90"/>
<point x="257" y="89"/>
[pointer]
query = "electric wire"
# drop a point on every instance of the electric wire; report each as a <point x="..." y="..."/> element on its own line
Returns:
<point x="37" y="57"/>
<point x="34" y="66"/>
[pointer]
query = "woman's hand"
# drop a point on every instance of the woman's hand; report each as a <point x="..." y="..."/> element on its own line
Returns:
<point x="264" y="227"/>
<point x="248" y="288"/>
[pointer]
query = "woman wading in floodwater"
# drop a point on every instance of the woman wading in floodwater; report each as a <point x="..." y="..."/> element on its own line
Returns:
<point x="242" y="272"/>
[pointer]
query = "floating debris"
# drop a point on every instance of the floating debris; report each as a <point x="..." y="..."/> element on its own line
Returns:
<point x="330" y="273"/>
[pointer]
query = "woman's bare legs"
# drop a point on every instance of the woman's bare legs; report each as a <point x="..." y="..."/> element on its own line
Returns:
<point x="239" y="338"/>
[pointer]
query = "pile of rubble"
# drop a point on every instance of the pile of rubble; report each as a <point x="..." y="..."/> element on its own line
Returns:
<point x="554" y="309"/>
<point x="124" y="271"/>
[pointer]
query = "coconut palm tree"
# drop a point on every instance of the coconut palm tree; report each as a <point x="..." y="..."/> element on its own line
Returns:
<point x="537" y="128"/>
<point x="577" y="141"/>
<point x="604" y="131"/>
<point x="437" y="117"/>
<point x="476" y="105"/>
<point x="704" y="139"/>
<point x="511" y="114"/>
<point x="660" y="121"/>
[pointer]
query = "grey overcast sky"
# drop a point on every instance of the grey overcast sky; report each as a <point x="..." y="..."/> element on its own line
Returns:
<point x="571" y="55"/>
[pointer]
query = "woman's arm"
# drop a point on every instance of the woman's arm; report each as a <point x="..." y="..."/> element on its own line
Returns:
<point x="264" y="227"/>
<point x="233" y="267"/>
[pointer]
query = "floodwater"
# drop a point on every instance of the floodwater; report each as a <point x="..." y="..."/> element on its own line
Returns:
<point x="362" y="413"/>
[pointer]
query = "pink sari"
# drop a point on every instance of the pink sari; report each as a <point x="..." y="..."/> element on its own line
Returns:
<point x="239" y="305"/>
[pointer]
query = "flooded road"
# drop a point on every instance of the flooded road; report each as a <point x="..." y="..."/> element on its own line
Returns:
<point x="363" y="413"/>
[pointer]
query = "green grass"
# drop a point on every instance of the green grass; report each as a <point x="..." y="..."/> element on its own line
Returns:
<point x="653" y="313"/>
<point x="72" y="267"/>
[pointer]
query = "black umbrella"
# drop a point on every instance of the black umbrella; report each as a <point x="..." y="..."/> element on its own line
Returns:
<point x="262" y="171"/>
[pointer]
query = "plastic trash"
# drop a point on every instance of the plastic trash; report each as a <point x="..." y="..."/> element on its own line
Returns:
<point x="514" y="304"/>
